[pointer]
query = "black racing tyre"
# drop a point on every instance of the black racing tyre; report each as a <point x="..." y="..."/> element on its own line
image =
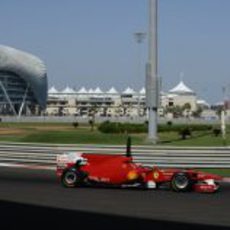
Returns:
<point x="70" y="178"/>
<point x="181" y="182"/>
<point x="217" y="186"/>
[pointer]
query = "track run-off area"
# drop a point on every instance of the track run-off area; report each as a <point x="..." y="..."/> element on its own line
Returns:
<point x="35" y="195"/>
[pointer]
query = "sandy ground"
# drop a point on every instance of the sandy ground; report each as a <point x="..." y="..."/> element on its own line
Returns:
<point x="18" y="131"/>
<point x="10" y="131"/>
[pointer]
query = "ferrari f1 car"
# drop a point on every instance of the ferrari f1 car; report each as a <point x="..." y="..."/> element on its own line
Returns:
<point x="76" y="169"/>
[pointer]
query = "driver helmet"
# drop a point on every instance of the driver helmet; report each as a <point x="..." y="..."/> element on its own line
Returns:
<point x="81" y="161"/>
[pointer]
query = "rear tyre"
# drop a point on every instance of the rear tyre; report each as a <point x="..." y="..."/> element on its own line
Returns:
<point x="70" y="178"/>
<point x="181" y="182"/>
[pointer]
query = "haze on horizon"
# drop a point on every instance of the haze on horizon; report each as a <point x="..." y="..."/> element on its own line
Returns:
<point x="91" y="43"/>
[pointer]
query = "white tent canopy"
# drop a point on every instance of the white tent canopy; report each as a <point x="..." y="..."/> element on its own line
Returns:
<point x="181" y="88"/>
<point x="142" y="91"/>
<point x="91" y="91"/>
<point x="112" y="90"/>
<point x="128" y="91"/>
<point x="82" y="90"/>
<point x="52" y="90"/>
<point x="202" y="103"/>
<point x="68" y="90"/>
<point x="98" y="91"/>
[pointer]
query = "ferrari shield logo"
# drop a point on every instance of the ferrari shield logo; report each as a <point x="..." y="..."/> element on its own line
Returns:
<point x="155" y="175"/>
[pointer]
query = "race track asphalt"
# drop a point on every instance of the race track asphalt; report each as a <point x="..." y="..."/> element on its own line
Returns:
<point x="35" y="195"/>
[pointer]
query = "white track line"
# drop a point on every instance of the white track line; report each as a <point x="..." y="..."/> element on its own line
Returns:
<point x="42" y="167"/>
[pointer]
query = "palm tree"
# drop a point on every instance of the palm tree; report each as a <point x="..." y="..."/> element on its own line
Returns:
<point x="92" y="112"/>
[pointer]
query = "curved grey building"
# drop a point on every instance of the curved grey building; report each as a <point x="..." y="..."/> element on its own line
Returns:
<point x="23" y="82"/>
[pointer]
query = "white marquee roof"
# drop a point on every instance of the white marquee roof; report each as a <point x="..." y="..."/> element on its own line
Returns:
<point x="98" y="90"/>
<point x="53" y="90"/>
<point x="181" y="88"/>
<point x="142" y="91"/>
<point x="82" y="90"/>
<point x="91" y="91"/>
<point x="202" y="102"/>
<point x="112" y="90"/>
<point x="68" y="90"/>
<point x="128" y="91"/>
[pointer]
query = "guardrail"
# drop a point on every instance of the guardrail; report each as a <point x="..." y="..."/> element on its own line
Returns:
<point x="181" y="157"/>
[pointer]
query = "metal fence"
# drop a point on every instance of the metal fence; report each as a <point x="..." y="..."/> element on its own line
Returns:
<point x="129" y="119"/>
<point x="181" y="157"/>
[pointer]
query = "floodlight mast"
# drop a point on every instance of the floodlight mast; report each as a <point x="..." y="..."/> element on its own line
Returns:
<point x="139" y="38"/>
<point x="152" y="74"/>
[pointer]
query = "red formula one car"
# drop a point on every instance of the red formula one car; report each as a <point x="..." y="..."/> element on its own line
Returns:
<point x="86" y="169"/>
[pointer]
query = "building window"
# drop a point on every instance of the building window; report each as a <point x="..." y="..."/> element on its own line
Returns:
<point x="171" y="103"/>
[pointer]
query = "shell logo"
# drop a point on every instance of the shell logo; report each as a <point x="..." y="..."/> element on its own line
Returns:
<point x="156" y="175"/>
<point x="132" y="175"/>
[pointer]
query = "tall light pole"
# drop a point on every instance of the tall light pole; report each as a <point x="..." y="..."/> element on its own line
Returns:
<point x="152" y="74"/>
<point x="139" y="38"/>
<point x="222" y="116"/>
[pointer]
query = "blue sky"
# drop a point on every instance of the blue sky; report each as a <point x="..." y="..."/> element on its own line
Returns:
<point x="91" y="43"/>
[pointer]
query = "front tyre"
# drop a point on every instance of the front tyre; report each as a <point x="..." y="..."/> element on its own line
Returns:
<point x="70" y="178"/>
<point x="217" y="186"/>
<point x="181" y="182"/>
